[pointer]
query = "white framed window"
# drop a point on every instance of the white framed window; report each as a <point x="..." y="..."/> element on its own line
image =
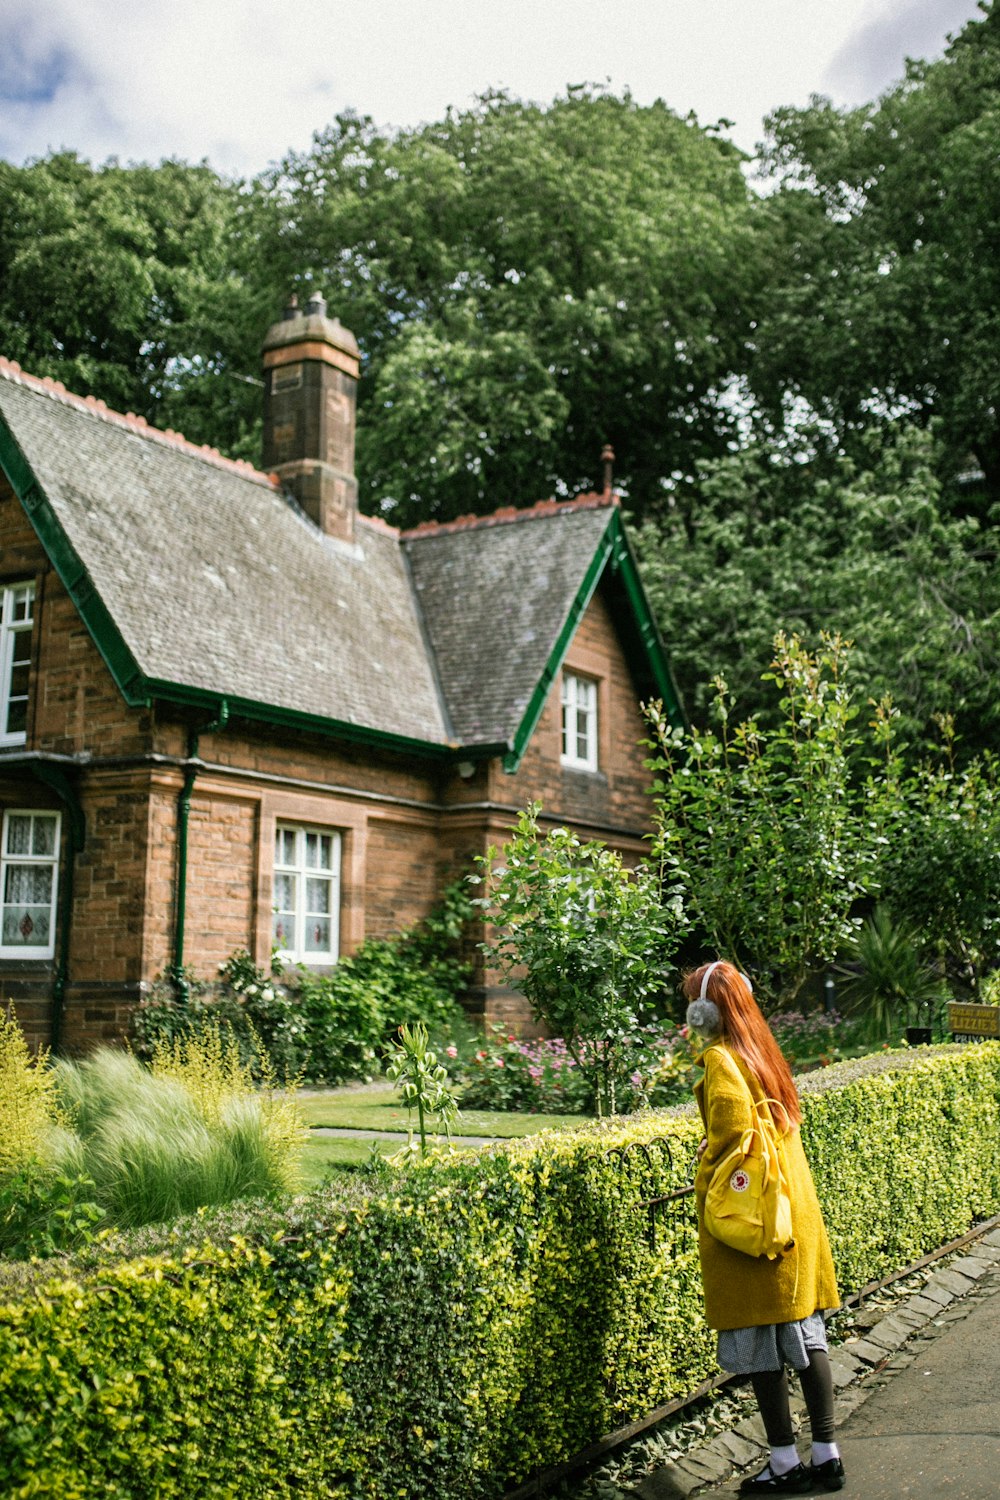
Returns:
<point x="306" y="926"/>
<point x="16" y="619"/>
<point x="579" y="722"/>
<point x="29" y="868"/>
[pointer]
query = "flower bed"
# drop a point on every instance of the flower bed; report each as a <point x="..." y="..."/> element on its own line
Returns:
<point x="544" y="1077"/>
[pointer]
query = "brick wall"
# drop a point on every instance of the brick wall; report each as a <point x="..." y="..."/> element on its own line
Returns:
<point x="407" y="825"/>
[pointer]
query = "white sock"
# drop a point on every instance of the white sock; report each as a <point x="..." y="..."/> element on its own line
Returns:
<point x="783" y="1459"/>
<point x="823" y="1452"/>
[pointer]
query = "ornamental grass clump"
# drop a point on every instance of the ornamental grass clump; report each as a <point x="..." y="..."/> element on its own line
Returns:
<point x="189" y="1131"/>
<point x="29" y="1110"/>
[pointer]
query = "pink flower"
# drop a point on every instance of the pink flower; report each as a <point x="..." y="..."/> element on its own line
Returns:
<point x="498" y="1061"/>
<point x="451" y="1051"/>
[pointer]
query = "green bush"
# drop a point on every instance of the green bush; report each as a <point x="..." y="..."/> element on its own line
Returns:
<point x="446" y="1332"/>
<point x="587" y="941"/>
<point x="260" y="1014"/>
<point x="331" y="1027"/>
<point x="543" y="1077"/>
<point x="352" y="1012"/>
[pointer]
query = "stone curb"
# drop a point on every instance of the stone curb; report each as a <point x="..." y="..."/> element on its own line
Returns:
<point x="881" y="1349"/>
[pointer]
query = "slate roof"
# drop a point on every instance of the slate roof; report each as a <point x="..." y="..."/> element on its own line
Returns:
<point x="495" y="595"/>
<point x="216" y="581"/>
<point x="210" y="582"/>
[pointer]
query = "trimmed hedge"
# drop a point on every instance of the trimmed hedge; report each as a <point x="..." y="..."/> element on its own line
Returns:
<point x="446" y="1334"/>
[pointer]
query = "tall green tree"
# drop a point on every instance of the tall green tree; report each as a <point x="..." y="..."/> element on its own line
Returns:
<point x="883" y="226"/>
<point x="526" y="283"/>
<point x="123" y="282"/>
<point x="801" y="537"/>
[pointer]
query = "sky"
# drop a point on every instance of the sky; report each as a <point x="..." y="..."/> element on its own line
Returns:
<point x="242" y="82"/>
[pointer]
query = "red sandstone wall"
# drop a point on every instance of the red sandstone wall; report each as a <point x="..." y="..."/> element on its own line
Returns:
<point x="407" y="827"/>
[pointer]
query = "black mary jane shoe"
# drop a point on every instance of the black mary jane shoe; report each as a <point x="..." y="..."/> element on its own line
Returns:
<point x="830" y="1475"/>
<point x="797" y="1481"/>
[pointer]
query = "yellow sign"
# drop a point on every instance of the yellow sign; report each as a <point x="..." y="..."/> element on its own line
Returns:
<point x="973" y="1020"/>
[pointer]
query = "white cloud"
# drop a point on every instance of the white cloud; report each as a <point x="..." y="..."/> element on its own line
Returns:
<point x="242" y="81"/>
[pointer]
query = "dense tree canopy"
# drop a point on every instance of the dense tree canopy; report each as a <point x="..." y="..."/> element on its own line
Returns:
<point x="810" y="540"/>
<point x="120" y="282"/>
<point x="798" y="382"/>
<point x="885" y="293"/>
<point x="526" y="284"/>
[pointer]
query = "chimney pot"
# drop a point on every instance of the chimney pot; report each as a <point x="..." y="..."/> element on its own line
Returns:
<point x="608" y="460"/>
<point x="316" y="306"/>
<point x="291" y="309"/>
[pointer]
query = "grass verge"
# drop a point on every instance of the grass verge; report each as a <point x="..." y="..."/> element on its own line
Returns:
<point x="380" y="1108"/>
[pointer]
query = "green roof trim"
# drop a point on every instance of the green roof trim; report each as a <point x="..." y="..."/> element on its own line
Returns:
<point x="613" y="548"/>
<point x="626" y="568"/>
<point x="294" y="718"/>
<point x="74" y="576"/>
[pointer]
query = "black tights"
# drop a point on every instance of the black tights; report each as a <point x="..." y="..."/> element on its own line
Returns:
<point x="771" y="1389"/>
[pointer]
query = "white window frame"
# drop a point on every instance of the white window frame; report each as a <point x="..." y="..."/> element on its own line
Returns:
<point x="28" y="950"/>
<point x="579" y="697"/>
<point x="293" y="947"/>
<point x="12" y="630"/>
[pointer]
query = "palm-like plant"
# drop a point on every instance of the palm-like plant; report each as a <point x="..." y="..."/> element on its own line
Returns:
<point x="895" y="983"/>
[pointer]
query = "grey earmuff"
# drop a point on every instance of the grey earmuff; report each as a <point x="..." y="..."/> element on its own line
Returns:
<point x="703" y="1014"/>
<point x="710" y="970"/>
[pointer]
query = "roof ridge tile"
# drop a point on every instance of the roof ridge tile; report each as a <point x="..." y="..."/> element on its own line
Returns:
<point x="94" y="406"/>
<point x="592" y="500"/>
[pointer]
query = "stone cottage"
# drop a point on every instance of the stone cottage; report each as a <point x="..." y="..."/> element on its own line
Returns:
<point x="234" y="711"/>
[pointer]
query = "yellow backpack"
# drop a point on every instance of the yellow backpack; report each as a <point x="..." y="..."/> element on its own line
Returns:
<point x="747" y="1204"/>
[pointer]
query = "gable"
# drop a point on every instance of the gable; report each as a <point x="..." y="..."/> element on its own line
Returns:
<point x="502" y="599"/>
<point x="202" y="583"/>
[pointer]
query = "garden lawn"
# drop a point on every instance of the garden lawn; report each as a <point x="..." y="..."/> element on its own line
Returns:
<point x="379" y="1108"/>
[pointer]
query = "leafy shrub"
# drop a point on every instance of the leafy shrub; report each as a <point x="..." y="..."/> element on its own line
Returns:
<point x="352" y="1013"/>
<point x="450" y="1331"/>
<point x="588" y="942"/>
<point x="45" y="1212"/>
<point x="817" y="1037"/>
<point x="766" y="830"/>
<point x="325" y="1027"/>
<point x="265" y="1020"/>
<point x="939" y="869"/>
<point x="896" y="986"/>
<point x="29" y="1109"/>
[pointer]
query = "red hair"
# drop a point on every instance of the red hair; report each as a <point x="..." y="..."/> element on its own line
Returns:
<point x="746" y="1033"/>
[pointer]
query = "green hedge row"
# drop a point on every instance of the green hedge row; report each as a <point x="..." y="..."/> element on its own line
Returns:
<point x="444" y="1336"/>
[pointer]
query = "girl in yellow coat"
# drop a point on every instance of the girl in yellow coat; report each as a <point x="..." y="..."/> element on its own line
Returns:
<point x="769" y="1313"/>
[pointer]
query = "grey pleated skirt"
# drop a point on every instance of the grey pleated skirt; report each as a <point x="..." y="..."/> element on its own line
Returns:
<point x="750" y="1351"/>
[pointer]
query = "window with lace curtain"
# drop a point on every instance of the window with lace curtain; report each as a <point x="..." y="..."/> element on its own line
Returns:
<point x="29" y="867"/>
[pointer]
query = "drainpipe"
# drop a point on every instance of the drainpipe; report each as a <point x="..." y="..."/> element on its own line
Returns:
<point x="55" y="778"/>
<point x="181" y="987"/>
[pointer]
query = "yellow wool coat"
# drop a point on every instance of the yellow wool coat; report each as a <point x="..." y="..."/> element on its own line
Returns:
<point x="741" y="1291"/>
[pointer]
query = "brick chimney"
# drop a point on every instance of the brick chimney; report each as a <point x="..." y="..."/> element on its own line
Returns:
<point x="310" y="404"/>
